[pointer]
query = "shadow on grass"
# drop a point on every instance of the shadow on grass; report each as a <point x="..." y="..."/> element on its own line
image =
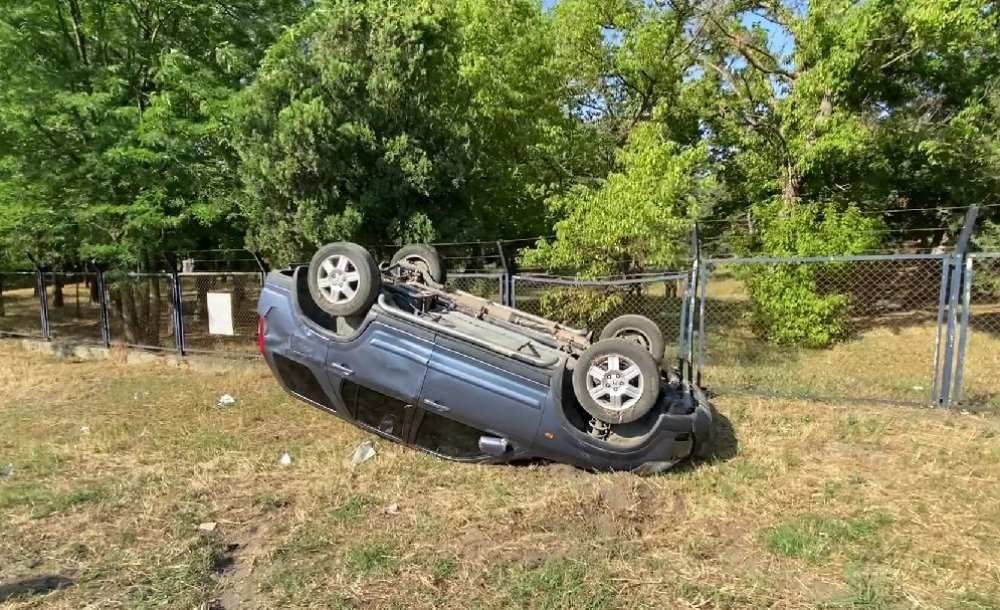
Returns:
<point x="34" y="585"/>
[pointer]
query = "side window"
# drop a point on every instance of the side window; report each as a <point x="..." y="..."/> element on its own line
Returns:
<point x="448" y="437"/>
<point x="377" y="410"/>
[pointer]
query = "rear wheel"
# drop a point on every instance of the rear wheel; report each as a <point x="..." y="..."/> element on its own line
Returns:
<point x="640" y="330"/>
<point x="616" y="381"/>
<point x="422" y="258"/>
<point x="344" y="279"/>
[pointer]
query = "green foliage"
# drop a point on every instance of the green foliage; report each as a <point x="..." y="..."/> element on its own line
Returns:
<point x="401" y="121"/>
<point x="112" y="143"/>
<point x="579" y="307"/>
<point x="800" y="304"/>
<point x="635" y="219"/>
<point x="133" y="127"/>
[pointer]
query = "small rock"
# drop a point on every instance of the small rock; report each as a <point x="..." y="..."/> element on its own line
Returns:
<point x="363" y="453"/>
<point x="226" y="401"/>
<point x="286" y="460"/>
<point x="207" y="527"/>
<point x="6" y="470"/>
<point x="84" y="429"/>
<point x="392" y="509"/>
<point x="140" y="395"/>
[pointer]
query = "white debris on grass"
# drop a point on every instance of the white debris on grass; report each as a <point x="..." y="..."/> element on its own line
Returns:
<point x="226" y="401"/>
<point x="6" y="470"/>
<point x="286" y="460"/>
<point x="392" y="509"/>
<point x="84" y="429"/>
<point x="207" y="527"/>
<point x="363" y="453"/>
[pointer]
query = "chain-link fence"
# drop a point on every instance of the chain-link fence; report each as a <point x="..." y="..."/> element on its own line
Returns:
<point x="141" y="310"/>
<point x="74" y="306"/>
<point x="20" y="305"/>
<point x="232" y="297"/>
<point x="897" y="328"/>
<point x="593" y="303"/>
<point x="485" y="285"/>
<point x="845" y="327"/>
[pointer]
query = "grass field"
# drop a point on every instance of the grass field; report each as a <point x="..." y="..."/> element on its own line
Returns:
<point x="108" y="469"/>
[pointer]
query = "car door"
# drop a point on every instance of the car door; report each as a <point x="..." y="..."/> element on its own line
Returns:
<point x="481" y="391"/>
<point x="378" y="374"/>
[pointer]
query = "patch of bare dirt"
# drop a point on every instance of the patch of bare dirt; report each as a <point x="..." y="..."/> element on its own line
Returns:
<point x="237" y="579"/>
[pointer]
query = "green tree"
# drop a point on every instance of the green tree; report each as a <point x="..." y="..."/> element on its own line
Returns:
<point x="111" y="144"/>
<point x="639" y="217"/>
<point x="404" y="121"/>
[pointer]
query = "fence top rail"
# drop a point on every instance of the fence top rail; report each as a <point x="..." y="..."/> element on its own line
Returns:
<point x="219" y="273"/>
<point x="479" y="274"/>
<point x="984" y="255"/>
<point x="562" y="281"/>
<point x="825" y="259"/>
<point x="18" y="272"/>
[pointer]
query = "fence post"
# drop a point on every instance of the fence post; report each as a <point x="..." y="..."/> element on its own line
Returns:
<point x="958" y="262"/>
<point x="681" y="339"/>
<point x="692" y="296"/>
<point x="102" y="299"/>
<point x="177" y="299"/>
<point x="935" y="395"/>
<point x="963" y="336"/>
<point x="701" y="322"/>
<point x="506" y="286"/>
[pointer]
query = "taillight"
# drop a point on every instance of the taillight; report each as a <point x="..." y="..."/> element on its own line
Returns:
<point x="261" y="328"/>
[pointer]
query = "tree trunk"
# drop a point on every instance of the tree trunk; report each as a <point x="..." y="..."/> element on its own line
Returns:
<point x="141" y="299"/>
<point x="58" y="300"/>
<point x="129" y="318"/>
<point x="154" y="311"/>
<point x="3" y="308"/>
<point x="204" y="284"/>
<point x="239" y="292"/>
<point x="95" y="296"/>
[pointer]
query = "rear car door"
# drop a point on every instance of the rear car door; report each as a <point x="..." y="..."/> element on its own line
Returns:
<point x="378" y="374"/>
<point x="469" y="391"/>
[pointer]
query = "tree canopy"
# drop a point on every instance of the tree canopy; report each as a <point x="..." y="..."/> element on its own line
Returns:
<point x="129" y="128"/>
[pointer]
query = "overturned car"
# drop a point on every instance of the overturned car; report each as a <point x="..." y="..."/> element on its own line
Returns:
<point x="388" y="348"/>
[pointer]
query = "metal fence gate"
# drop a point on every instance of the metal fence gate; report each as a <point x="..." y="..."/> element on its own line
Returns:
<point x="858" y="328"/>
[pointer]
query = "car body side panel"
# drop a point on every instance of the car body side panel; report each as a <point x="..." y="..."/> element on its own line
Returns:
<point x="464" y="386"/>
<point x="384" y="358"/>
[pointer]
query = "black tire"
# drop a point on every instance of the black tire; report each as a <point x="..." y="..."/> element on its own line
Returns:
<point x="423" y="256"/>
<point x="646" y="384"/>
<point x="331" y="280"/>
<point x="640" y="330"/>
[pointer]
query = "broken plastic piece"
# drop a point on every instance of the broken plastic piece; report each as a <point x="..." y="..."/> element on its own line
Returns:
<point x="363" y="453"/>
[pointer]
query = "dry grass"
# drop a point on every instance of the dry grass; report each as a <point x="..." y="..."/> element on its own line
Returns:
<point x="113" y="466"/>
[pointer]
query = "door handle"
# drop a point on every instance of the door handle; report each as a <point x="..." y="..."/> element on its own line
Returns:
<point x="340" y="368"/>
<point x="440" y="408"/>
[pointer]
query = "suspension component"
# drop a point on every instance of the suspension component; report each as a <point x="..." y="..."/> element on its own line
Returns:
<point x="598" y="429"/>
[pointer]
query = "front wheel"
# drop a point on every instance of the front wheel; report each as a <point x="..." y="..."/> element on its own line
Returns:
<point x="344" y="279"/>
<point x="616" y="381"/>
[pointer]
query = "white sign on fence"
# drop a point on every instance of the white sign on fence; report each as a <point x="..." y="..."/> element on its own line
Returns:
<point x="220" y="313"/>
